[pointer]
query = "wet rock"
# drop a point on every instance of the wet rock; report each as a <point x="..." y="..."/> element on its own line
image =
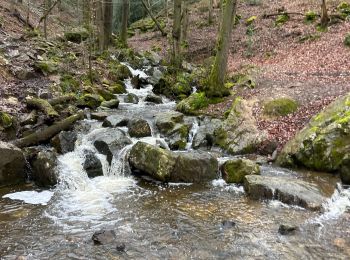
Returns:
<point x="165" y="165"/>
<point x="239" y="133"/>
<point x="12" y="164"/>
<point x="120" y="72"/>
<point x="233" y="171"/>
<point x="287" y="229"/>
<point x="287" y="190"/>
<point x="104" y="237"/>
<point x="115" y="120"/>
<point x="154" y="99"/>
<point x="44" y="168"/>
<point x="106" y="94"/>
<point x="91" y="101"/>
<point x="110" y="140"/>
<point x="118" y="88"/>
<point x="113" y="103"/>
<point x="323" y="144"/>
<point x="139" y="128"/>
<point x="165" y="122"/>
<point x="92" y="165"/>
<point x="195" y="167"/>
<point x="205" y="137"/>
<point x="226" y="224"/>
<point x="131" y="98"/>
<point x="120" y="247"/>
<point x="64" y="142"/>
<point x="177" y="137"/>
<point x="100" y="116"/>
<point x="138" y="82"/>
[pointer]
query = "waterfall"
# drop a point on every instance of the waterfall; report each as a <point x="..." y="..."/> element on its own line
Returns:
<point x="192" y="134"/>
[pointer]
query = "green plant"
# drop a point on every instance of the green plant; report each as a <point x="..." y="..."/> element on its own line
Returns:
<point x="310" y="16"/>
<point x="280" y="107"/>
<point x="281" y="19"/>
<point x="347" y="40"/>
<point x="344" y="9"/>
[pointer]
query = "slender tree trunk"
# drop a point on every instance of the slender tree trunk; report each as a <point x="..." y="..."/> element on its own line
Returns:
<point x="176" y="55"/>
<point x="210" y="18"/>
<point x="100" y="27"/>
<point x="149" y="11"/>
<point x="324" y="14"/>
<point x="216" y="81"/>
<point x="124" y="25"/>
<point x="86" y="12"/>
<point x="107" y="22"/>
<point x="185" y="20"/>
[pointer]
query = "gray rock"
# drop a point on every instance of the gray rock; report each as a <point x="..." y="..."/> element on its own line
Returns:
<point x="92" y="165"/>
<point x="100" y="116"/>
<point x="177" y="137"/>
<point x="287" y="229"/>
<point x="205" y="137"/>
<point x="64" y="142"/>
<point x="115" y="120"/>
<point x="165" y="122"/>
<point x="104" y="237"/>
<point x="287" y="190"/>
<point x="131" y="98"/>
<point x="44" y="168"/>
<point x="139" y="128"/>
<point x="154" y="99"/>
<point x="29" y="119"/>
<point x="113" y="103"/>
<point x="233" y="171"/>
<point x="12" y="164"/>
<point x="110" y="140"/>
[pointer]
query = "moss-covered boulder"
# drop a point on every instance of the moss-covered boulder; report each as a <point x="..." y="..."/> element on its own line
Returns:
<point x="113" y="103"/>
<point x="280" y="107"/>
<point x="166" y="122"/>
<point x="76" y="35"/>
<point x="117" y="88"/>
<point x="233" y="171"/>
<point x="139" y="128"/>
<point x="324" y="143"/>
<point x="119" y="72"/>
<point x="92" y="101"/>
<point x="193" y="103"/>
<point x="69" y="83"/>
<point x="239" y="133"/>
<point x="177" y="137"/>
<point x="47" y="66"/>
<point x="106" y="94"/>
<point x="6" y="121"/>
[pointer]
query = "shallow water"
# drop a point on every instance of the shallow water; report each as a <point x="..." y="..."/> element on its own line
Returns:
<point x="164" y="221"/>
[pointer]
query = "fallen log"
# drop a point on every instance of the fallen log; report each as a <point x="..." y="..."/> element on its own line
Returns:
<point x="47" y="133"/>
<point x="43" y="105"/>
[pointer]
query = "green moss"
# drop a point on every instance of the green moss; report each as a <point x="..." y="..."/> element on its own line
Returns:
<point x="344" y="9"/>
<point x="90" y="100"/>
<point x="107" y="95"/>
<point x="69" y="83"/>
<point x="280" y="107"/>
<point x="281" y="19"/>
<point x="6" y="120"/>
<point x="221" y="138"/>
<point x="117" y="89"/>
<point x="310" y="16"/>
<point x="193" y="103"/>
<point x="347" y="40"/>
<point x="76" y="35"/>
<point x="250" y="20"/>
<point x="235" y="170"/>
<point x="119" y="72"/>
<point x="47" y="66"/>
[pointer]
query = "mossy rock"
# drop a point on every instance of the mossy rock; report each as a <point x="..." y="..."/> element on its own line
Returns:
<point x="323" y="144"/>
<point x="119" y="72"/>
<point x="193" y="103"/>
<point x="347" y="40"/>
<point x="233" y="171"/>
<point x="69" y="83"/>
<point x="280" y="107"/>
<point x="47" y="66"/>
<point x="76" y="35"/>
<point x="106" y="94"/>
<point x="117" y="89"/>
<point x="6" y="121"/>
<point x="92" y="101"/>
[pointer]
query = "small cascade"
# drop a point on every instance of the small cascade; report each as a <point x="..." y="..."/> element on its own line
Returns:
<point x="192" y="134"/>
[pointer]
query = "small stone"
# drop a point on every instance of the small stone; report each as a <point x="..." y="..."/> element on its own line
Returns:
<point x="225" y="224"/>
<point x="103" y="237"/>
<point x="120" y="247"/>
<point x="286" y="229"/>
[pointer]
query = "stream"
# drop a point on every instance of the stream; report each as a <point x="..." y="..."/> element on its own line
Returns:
<point x="164" y="221"/>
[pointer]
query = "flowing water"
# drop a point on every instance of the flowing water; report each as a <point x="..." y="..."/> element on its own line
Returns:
<point x="164" y="221"/>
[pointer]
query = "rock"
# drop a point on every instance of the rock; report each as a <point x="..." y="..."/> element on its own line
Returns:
<point x="46" y="67"/>
<point x="92" y="165"/>
<point x="154" y="99"/>
<point x="104" y="237"/>
<point x="23" y="73"/>
<point x="6" y="121"/>
<point x="45" y="94"/>
<point x="138" y="82"/>
<point x="113" y="103"/>
<point x="100" y="116"/>
<point x="110" y="140"/>
<point x="120" y="72"/>
<point x="131" y="98"/>
<point x="139" y="128"/>
<point x="233" y="171"/>
<point x="165" y="165"/>
<point x="280" y="107"/>
<point x="12" y="164"/>
<point x="191" y="105"/>
<point x="115" y="120"/>
<point x="64" y="142"/>
<point x="239" y="133"/>
<point x="225" y="224"/>
<point x="120" y="247"/>
<point x="323" y="144"/>
<point x="91" y="101"/>
<point x="177" y="137"/>
<point x="286" y="229"/>
<point x="156" y="76"/>
<point x="166" y="121"/>
<point x="76" y="35"/>
<point x="106" y="94"/>
<point x="117" y="88"/>
<point x="195" y="167"/>
<point x="287" y="190"/>
<point x="29" y="119"/>
<point x="44" y="168"/>
<point x="205" y="135"/>
<point x="157" y="162"/>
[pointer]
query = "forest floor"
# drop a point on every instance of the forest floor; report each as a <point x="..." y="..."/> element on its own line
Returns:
<point x="291" y="60"/>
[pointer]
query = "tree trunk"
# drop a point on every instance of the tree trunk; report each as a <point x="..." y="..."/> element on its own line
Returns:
<point x="176" y="55"/>
<point x="216" y="81"/>
<point x="210" y="18"/>
<point x="124" y="25"/>
<point x="149" y="11"/>
<point x="107" y="22"/>
<point x="185" y="20"/>
<point x="324" y="14"/>
<point x="100" y="27"/>
<point x="86" y="12"/>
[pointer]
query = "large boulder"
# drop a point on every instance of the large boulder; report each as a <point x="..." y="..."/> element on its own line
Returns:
<point x="44" y="172"/>
<point x="165" y="122"/>
<point x="287" y="190"/>
<point x="108" y="141"/>
<point x="177" y="137"/>
<point x="12" y="164"/>
<point x="324" y="143"/>
<point x="154" y="99"/>
<point x="139" y="128"/>
<point x="115" y="120"/>
<point x="205" y="135"/>
<point x="165" y="165"/>
<point x="239" y="133"/>
<point x="233" y="171"/>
